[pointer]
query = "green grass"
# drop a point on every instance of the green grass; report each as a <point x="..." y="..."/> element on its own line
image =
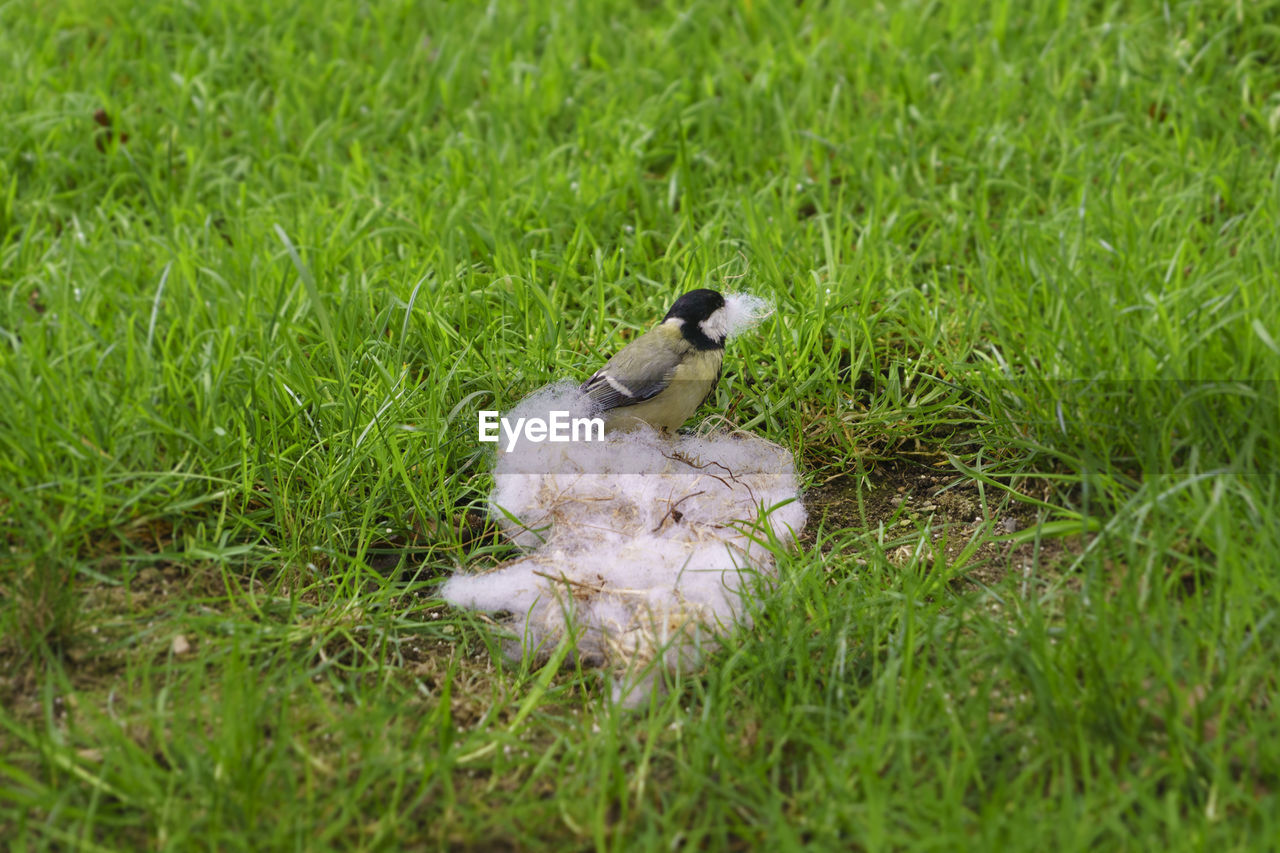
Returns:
<point x="1028" y="248"/>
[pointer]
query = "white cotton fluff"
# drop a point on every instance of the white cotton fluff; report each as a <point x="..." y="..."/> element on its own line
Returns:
<point x="744" y="310"/>
<point x="640" y="547"/>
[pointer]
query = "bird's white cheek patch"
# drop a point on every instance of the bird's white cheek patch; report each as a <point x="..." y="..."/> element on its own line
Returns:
<point x="716" y="326"/>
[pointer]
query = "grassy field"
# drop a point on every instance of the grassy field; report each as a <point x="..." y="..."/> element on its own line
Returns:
<point x="261" y="264"/>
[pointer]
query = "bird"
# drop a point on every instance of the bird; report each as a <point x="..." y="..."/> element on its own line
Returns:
<point x="663" y="376"/>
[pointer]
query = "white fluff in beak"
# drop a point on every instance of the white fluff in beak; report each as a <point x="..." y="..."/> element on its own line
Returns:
<point x="742" y="311"/>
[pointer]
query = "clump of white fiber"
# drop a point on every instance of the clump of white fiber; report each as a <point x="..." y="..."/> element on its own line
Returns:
<point x="641" y="548"/>
<point x="744" y="311"/>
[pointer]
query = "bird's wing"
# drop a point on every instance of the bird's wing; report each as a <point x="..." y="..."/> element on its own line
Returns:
<point x="626" y="379"/>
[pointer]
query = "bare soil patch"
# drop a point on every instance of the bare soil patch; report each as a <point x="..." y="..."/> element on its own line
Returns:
<point x="903" y="495"/>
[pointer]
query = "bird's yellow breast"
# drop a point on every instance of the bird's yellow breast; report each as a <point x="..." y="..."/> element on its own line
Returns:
<point x="693" y="380"/>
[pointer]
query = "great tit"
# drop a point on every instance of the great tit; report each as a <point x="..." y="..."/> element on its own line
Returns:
<point x="663" y="376"/>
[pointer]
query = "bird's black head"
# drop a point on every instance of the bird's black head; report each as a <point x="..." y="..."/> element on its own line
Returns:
<point x="696" y="306"/>
<point x="703" y="315"/>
